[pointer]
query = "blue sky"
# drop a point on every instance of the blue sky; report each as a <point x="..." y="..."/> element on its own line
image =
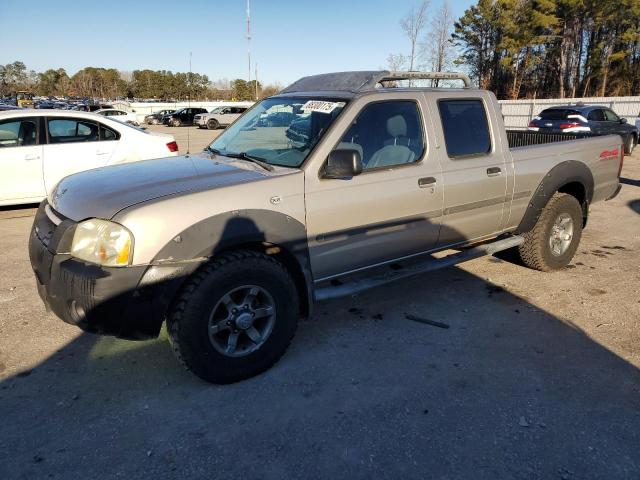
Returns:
<point x="290" y="38"/>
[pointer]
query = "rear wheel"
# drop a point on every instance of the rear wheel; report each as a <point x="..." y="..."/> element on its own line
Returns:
<point x="554" y="239"/>
<point x="176" y="122"/>
<point x="213" y="124"/>
<point x="235" y="318"/>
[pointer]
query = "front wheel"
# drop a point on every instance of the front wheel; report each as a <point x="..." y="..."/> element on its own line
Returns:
<point x="213" y="124"/>
<point x="554" y="239"/>
<point x="235" y="318"/>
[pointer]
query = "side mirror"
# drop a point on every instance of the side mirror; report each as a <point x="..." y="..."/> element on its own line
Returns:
<point x="623" y="120"/>
<point x="343" y="164"/>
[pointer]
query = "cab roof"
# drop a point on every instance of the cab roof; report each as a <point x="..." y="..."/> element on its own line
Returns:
<point x="350" y="84"/>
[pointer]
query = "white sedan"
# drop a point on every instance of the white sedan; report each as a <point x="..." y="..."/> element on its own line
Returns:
<point x="120" y="115"/>
<point x="40" y="147"/>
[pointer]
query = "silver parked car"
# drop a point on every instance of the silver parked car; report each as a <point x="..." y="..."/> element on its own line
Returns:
<point x="233" y="246"/>
<point x="219" y="117"/>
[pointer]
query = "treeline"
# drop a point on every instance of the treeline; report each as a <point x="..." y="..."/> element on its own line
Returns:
<point x="552" y="48"/>
<point x="111" y="83"/>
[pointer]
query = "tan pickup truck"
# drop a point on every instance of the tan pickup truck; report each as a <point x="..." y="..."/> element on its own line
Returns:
<point x="363" y="170"/>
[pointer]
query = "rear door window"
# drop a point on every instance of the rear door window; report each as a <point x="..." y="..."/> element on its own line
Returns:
<point x="596" y="115"/>
<point x="71" y="130"/>
<point x="465" y="127"/>
<point x="108" y="134"/>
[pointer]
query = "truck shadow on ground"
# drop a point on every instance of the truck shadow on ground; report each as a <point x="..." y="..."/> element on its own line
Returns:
<point x="509" y="390"/>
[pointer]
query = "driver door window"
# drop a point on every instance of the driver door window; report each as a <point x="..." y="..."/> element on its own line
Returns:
<point x="611" y="116"/>
<point x="386" y="134"/>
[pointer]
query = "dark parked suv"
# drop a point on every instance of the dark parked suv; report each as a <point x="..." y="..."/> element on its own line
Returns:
<point x="181" y="117"/>
<point x="594" y="119"/>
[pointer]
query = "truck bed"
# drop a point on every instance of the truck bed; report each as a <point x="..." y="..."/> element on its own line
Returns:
<point x="525" y="138"/>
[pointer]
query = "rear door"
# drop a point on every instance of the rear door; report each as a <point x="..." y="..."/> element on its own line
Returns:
<point x="234" y="114"/>
<point x="21" y="161"/>
<point x="474" y="168"/>
<point x="598" y="122"/>
<point x="73" y="145"/>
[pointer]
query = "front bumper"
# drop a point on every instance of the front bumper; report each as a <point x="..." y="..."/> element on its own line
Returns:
<point x="127" y="302"/>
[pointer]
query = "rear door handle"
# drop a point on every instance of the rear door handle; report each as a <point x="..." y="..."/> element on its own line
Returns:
<point x="32" y="157"/>
<point x="494" y="171"/>
<point x="426" y="182"/>
<point x="102" y="152"/>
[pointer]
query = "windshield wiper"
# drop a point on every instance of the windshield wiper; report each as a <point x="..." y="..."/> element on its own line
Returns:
<point x="212" y="151"/>
<point x="250" y="158"/>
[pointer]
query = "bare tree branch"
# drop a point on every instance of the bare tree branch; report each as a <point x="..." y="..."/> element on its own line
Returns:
<point x="413" y="24"/>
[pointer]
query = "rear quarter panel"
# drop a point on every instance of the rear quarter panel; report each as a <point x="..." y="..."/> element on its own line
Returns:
<point x="601" y="155"/>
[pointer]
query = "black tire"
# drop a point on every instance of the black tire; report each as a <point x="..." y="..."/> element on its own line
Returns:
<point x="212" y="124"/>
<point x="536" y="251"/>
<point x="188" y="321"/>
<point x="629" y="144"/>
<point x="176" y="122"/>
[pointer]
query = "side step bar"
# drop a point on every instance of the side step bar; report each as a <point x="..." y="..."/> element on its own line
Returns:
<point x="430" y="264"/>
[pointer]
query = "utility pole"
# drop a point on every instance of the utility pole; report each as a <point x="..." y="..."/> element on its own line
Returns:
<point x="249" y="37"/>
<point x="255" y="77"/>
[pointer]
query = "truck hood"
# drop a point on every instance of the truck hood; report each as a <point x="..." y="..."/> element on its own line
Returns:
<point x="103" y="192"/>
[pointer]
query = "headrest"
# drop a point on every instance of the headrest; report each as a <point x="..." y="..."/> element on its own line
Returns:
<point x="397" y="126"/>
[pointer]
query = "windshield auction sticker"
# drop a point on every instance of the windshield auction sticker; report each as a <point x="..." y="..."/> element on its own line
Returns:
<point x="321" y="106"/>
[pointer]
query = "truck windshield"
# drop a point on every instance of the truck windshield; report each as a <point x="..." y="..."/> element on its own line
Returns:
<point x="280" y="131"/>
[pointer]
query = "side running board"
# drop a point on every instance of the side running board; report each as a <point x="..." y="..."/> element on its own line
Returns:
<point x="346" y="288"/>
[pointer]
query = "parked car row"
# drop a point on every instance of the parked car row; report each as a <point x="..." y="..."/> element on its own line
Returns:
<point x="156" y="118"/>
<point x="38" y="148"/>
<point x="218" y="117"/>
<point x="593" y="119"/>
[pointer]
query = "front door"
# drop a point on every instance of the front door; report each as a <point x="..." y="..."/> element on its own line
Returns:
<point x="474" y="170"/>
<point x="20" y="161"/>
<point x="389" y="211"/>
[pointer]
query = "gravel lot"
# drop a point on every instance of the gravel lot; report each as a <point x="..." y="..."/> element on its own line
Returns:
<point x="536" y="378"/>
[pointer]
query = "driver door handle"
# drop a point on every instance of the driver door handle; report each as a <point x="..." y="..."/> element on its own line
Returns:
<point x="494" y="171"/>
<point x="32" y="156"/>
<point x="426" y="182"/>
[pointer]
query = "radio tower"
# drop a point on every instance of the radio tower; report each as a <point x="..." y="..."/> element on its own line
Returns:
<point x="249" y="37"/>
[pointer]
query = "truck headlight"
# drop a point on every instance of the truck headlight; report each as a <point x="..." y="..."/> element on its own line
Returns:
<point x="102" y="242"/>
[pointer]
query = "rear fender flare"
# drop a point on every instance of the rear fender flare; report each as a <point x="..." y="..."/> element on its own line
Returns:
<point x="559" y="176"/>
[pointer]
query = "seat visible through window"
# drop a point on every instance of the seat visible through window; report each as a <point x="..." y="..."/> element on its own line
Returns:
<point x="386" y="134"/>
